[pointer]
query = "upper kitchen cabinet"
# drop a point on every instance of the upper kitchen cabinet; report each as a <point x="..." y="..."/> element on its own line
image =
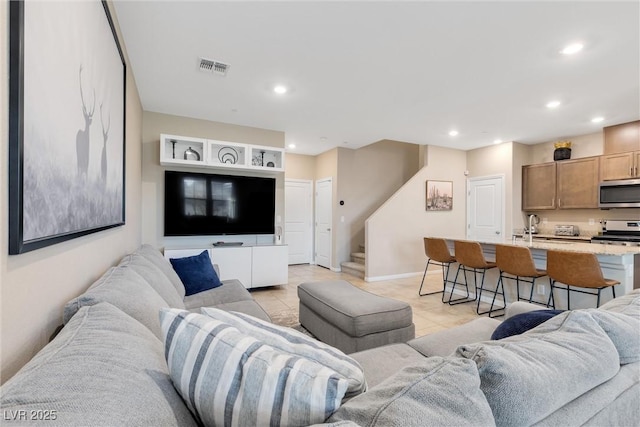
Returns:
<point x="539" y="186"/>
<point x="622" y="138"/>
<point x="578" y="183"/>
<point x="620" y="166"/>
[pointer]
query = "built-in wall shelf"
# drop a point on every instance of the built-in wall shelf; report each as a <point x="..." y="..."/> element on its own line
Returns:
<point x="209" y="153"/>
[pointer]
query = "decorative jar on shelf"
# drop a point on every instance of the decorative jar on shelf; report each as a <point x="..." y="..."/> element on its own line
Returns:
<point x="562" y="150"/>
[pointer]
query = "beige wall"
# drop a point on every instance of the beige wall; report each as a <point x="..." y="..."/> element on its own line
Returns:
<point x="581" y="146"/>
<point x="153" y="174"/>
<point x="300" y="166"/>
<point x="367" y="178"/>
<point x="36" y="285"/>
<point x="394" y="245"/>
<point x="496" y="160"/>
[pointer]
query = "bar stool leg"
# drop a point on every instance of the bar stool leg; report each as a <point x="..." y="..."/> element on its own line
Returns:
<point x="425" y="275"/>
<point x="460" y="300"/>
<point x="568" y="300"/>
<point x="551" y="300"/>
<point x="533" y="285"/>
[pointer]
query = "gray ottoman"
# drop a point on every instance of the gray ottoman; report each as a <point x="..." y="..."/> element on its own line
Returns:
<point x="351" y="319"/>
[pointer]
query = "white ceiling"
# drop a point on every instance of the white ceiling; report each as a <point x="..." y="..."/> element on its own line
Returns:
<point x="361" y="71"/>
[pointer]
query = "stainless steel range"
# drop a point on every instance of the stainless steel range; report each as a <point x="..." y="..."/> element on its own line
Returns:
<point x="619" y="232"/>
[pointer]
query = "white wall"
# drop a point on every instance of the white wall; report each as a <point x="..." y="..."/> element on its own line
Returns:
<point x="35" y="286"/>
<point x="394" y="233"/>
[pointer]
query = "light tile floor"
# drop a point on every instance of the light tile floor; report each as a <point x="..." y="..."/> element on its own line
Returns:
<point x="429" y="313"/>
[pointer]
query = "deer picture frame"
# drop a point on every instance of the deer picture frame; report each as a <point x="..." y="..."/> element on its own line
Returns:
<point x="67" y="79"/>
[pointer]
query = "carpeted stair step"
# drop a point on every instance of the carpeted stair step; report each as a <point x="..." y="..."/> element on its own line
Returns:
<point x="353" y="268"/>
<point x="358" y="257"/>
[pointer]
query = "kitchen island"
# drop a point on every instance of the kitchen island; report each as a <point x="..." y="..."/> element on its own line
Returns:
<point x="621" y="263"/>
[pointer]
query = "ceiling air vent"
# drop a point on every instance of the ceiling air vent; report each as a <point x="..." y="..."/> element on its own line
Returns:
<point x="211" y="66"/>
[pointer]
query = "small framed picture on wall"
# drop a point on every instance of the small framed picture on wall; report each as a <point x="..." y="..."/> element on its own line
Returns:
<point x="439" y="195"/>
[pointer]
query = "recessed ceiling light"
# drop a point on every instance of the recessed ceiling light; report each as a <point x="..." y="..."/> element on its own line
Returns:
<point x="292" y="146"/>
<point x="497" y="141"/>
<point x="597" y="119"/>
<point x="553" y="104"/>
<point x="280" y="89"/>
<point x="323" y="138"/>
<point x="572" y="48"/>
<point x="453" y="133"/>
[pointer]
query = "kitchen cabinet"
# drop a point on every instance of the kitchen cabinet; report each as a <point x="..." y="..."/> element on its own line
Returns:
<point x="578" y="183"/>
<point x="566" y="184"/>
<point x="620" y="166"/>
<point x="622" y="138"/>
<point x="539" y="186"/>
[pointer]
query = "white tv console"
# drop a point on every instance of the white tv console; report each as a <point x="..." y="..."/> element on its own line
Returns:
<point x="254" y="265"/>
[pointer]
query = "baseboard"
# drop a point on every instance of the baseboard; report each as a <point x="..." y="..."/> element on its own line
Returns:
<point x="336" y="269"/>
<point x="393" y="276"/>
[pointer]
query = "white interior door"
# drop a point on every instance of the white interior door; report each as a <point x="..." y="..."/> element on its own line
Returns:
<point x="324" y="195"/>
<point x="485" y="209"/>
<point x="298" y="213"/>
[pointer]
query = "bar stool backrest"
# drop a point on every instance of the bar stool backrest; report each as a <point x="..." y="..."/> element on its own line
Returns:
<point x="437" y="250"/>
<point x="469" y="254"/>
<point x="515" y="260"/>
<point x="575" y="269"/>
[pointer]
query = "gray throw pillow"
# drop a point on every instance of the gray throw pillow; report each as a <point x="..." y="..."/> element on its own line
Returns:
<point x="527" y="377"/>
<point x="439" y="391"/>
<point x="624" y="332"/>
<point x="628" y="304"/>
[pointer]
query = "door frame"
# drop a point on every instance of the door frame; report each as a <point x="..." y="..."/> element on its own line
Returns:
<point x="502" y="178"/>
<point x="315" y="234"/>
<point x="311" y="215"/>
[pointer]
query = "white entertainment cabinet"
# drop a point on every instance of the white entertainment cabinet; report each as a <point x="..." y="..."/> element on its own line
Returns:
<point x="255" y="265"/>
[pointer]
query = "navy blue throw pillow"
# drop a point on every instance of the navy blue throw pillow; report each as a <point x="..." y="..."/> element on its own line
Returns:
<point x="522" y="322"/>
<point x="196" y="272"/>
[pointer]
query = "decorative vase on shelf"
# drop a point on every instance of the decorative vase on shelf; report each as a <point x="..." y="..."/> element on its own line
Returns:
<point x="562" y="150"/>
<point x="191" y="154"/>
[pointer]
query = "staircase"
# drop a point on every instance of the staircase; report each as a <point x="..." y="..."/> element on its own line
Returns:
<point x="355" y="267"/>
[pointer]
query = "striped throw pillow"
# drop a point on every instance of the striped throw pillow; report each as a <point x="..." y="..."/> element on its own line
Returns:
<point x="296" y="343"/>
<point x="228" y="378"/>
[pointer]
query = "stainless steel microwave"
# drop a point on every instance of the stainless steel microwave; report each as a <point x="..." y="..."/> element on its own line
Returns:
<point x="624" y="193"/>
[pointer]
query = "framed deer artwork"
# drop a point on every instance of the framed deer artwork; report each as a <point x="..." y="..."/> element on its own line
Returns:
<point x="66" y="123"/>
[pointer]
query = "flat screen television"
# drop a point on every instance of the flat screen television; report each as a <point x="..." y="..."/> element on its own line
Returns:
<point x="208" y="204"/>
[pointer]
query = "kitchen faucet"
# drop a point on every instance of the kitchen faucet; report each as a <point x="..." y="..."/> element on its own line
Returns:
<point x="531" y="217"/>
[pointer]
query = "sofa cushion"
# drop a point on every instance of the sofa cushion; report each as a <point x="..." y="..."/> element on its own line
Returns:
<point x="527" y="377"/>
<point x="128" y="291"/>
<point x="103" y="369"/>
<point x="445" y="342"/>
<point x="250" y="307"/>
<point x="520" y="323"/>
<point x="624" y="332"/>
<point x="230" y="291"/>
<point x="437" y="391"/>
<point x="380" y="363"/>
<point x="196" y="272"/>
<point x="229" y="378"/>
<point x="154" y="255"/>
<point x="296" y="343"/>
<point x="155" y="277"/>
<point x="628" y="304"/>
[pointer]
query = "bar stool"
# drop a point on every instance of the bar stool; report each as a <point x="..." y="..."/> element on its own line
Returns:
<point x="438" y="254"/>
<point x="471" y="258"/>
<point x="516" y="263"/>
<point x="580" y="270"/>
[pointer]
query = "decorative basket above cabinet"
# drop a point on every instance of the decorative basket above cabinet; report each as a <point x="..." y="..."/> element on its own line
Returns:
<point x="208" y="153"/>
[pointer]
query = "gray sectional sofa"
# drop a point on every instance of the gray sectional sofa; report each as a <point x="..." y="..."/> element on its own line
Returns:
<point x="107" y="366"/>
